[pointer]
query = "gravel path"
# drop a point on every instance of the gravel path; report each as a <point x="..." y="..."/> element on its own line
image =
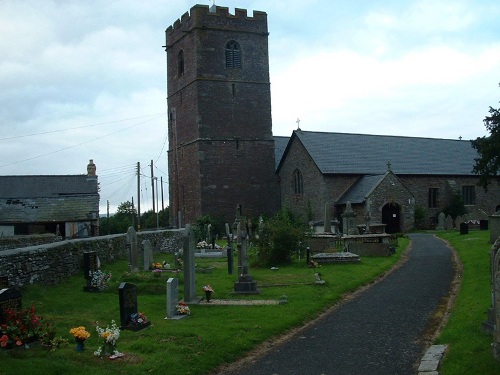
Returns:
<point x="378" y="331"/>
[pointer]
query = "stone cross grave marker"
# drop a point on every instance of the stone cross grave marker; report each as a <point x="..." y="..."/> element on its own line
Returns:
<point x="147" y="254"/>
<point x="189" y="266"/>
<point x="90" y="265"/>
<point x="133" y="253"/>
<point x="173" y="299"/>
<point x="127" y="294"/>
<point x="9" y="299"/>
<point x="245" y="283"/>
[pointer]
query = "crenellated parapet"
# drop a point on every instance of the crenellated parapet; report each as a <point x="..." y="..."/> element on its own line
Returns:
<point x="218" y="18"/>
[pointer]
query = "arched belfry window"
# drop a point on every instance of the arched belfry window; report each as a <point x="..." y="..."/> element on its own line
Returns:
<point x="180" y="63"/>
<point x="233" y="54"/>
<point x="298" y="185"/>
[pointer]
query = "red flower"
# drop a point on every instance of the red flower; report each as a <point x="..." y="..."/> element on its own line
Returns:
<point x="19" y="343"/>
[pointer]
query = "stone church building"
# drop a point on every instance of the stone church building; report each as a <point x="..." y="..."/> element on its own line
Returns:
<point x="222" y="152"/>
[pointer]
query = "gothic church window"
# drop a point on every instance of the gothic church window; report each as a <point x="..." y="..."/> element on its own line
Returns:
<point x="180" y="63"/>
<point x="233" y="55"/>
<point x="298" y="185"/>
<point x="433" y="197"/>
<point x="469" y="195"/>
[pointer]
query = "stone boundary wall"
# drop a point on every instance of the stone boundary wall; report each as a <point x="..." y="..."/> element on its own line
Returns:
<point x="16" y="242"/>
<point x="49" y="264"/>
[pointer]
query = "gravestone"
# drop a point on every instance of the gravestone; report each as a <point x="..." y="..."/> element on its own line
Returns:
<point x="90" y="265"/>
<point x="494" y="224"/>
<point x="464" y="228"/>
<point x="489" y="324"/>
<point x="9" y="299"/>
<point x="173" y="299"/>
<point x="127" y="294"/>
<point x="441" y="221"/>
<point x="458" y="221"/>
<point x="133" y="253"/>
<point x="328" y="221"/>
<point x="496" y="298"/>
<point x="147" y="254"/>
<point x="189" y="266"/>
<point x="230" y="251"/>
<point x="348" y="218"/>
<point x="245" y="283"/>
<point x="449" y="223"/>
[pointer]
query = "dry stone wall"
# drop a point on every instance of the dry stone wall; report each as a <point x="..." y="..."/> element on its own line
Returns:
<point x="49" y="264"/>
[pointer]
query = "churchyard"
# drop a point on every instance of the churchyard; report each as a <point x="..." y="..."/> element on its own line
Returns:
<point x="214" y="333"/>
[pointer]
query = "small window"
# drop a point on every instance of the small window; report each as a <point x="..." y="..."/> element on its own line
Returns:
<point x="469" y="195"/>
<point x="298" y="185"/>
<point x="233" y="55"/>
<point x="180" y="63"/>
<point x="433" y="197"/>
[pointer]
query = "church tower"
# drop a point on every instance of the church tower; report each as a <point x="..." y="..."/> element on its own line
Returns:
<point x="221" y="147"/>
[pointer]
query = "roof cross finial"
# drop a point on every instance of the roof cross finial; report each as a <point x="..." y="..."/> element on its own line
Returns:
<point x="298" y="123"/>
<point x="389" y="165"/>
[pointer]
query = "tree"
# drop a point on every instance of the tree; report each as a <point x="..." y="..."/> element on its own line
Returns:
<point x="488" y="148"/>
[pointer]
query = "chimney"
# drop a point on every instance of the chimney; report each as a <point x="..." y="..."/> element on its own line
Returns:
<point x="91" y="168"/>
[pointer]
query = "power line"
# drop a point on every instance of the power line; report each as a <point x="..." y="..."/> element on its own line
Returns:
<point x="79" y="144"/>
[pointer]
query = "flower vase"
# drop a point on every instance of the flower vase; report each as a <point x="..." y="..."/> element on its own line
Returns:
<point x="80" y="345"/>
<point x="109" y="349"/>
<point x="208" y="295"/>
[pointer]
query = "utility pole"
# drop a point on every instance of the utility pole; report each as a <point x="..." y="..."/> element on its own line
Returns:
<point x="153" y="185"/>
<point x="138" y="196"/>
<point x="108" y="214"/>
<point x="162" y="202"/>
<point x="157" y="211"/>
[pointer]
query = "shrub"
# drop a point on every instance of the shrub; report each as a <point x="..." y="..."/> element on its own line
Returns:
<point x="282" y="235"/>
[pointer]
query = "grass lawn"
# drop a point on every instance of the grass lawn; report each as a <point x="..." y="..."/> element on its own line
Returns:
<point x="470" y="350"/>
<point x="213" y="335"/>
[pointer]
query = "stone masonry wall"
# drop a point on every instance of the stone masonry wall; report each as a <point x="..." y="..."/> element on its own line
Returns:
<point x="49" y="264"/>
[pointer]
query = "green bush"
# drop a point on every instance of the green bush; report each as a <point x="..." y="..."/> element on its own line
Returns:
<point x="282" y="236"/>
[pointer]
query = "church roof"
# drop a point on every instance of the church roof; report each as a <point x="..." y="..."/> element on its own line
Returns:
<point x="361" y="189"/>
<point x="346" y="153"/>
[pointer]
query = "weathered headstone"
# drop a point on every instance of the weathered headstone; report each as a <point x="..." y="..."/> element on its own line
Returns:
<point x="348" y="217"/>
<point x="133" y="253"/>
<point x="127" y="294"/>
<point x="441" y="221"/>
<point x="9" y="299"/>
<point x="230" y="251"/>
<point x="458" y="221"/>
<point x="147" y="254"/>
<point x="189" y="266"/>
<point x="494" y="224"/>
<point x="90" y="265"/>
<point x="489" y="324"/>
<point x="496" y="299"/>
<point x="449" y="223"/>
<point x="245" y="283"/>
<point x="173" y="299"/>
<point x="328" y="221"/>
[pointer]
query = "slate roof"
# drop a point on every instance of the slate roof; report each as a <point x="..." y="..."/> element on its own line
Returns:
<point x="48" y="198"/>
<point x="361" y="189"/>
<point x="345" y="153"/>
<point x="46" y="186"/>
<point x="280" y="143"/>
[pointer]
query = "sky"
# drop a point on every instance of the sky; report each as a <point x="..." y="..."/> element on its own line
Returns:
<point x="86" y="79"/>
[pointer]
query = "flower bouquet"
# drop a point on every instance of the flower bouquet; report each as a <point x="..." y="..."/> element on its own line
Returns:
<point x="100" y="280"/>
<point x="110" y="336"/>
<point x="182" y="309"/>
<point x="80" y="334"/>
<point x="208" y="292"/>
<point x="20" y="327"/>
